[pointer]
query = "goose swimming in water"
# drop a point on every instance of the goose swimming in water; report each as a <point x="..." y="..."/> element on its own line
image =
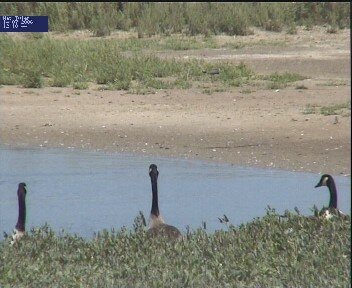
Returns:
<point x="157" y="225"/>
<point x="20" y="228"/>
<point x="331" y="210"/>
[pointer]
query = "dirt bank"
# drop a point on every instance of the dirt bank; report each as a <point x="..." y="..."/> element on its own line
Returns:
<point x="260" y="127"/>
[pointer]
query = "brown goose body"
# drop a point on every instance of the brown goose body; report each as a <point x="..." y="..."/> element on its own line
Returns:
<point x="158" y="228"/>
<point x="164" y="230"/>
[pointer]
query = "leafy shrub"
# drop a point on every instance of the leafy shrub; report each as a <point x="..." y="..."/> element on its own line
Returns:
<point x="273" y="251"/>
<point x="32" y="79"/>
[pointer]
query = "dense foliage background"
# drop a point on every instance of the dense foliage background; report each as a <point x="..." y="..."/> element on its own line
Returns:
<point x="151" y="18"/>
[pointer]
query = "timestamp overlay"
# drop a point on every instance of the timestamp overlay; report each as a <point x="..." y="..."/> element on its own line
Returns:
<point x="24" y="23"/>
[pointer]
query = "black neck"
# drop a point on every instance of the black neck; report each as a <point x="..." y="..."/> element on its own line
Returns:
<point x="333" y="194"/>
<point x="155" y="206"/>
<point x="20" y="226"/>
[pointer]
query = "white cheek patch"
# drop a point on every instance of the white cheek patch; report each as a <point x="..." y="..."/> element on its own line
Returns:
<point x="325" y="180"/>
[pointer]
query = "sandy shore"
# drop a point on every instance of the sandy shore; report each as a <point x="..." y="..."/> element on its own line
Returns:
<point x="264" y="128"/>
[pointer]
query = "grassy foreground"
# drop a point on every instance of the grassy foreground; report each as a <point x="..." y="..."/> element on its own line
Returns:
<point x="268" y="252"/>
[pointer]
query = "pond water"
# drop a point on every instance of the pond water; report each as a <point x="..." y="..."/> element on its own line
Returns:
<point x="85" y="192"/>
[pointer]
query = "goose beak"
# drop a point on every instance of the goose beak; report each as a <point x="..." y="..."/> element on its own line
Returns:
<point x="318" y="185"/>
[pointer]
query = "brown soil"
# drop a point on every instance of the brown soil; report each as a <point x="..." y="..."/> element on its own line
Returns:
<point x="257" y="127"/>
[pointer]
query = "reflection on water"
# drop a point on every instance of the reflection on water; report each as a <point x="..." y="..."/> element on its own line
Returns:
<point x="85" y="192"/>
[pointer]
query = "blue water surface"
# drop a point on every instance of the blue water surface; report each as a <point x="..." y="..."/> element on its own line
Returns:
<point x="84" y="192"/>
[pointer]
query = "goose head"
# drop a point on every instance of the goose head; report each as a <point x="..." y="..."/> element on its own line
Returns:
<point x="153" y="171"/>
<point x="325" y="180"/>
<point x="22" y="189"/>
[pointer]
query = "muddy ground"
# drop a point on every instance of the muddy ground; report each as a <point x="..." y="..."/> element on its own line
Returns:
<point x="252" y="126"/>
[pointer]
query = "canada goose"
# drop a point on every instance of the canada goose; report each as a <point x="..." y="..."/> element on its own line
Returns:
<point x="157" y="224"/>
<point x="328" y="212"/>
<point x="20" y="229"/>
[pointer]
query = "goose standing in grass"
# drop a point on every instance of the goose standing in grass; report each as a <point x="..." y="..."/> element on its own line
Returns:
<point x="328" y="212"/>
<point x="20" y="228"/>
<point x="157" y="224"/>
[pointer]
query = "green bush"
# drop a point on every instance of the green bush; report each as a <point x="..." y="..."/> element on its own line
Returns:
<point x="336" y="109"/>
<point x="100" y="27"/>
<point x="279" y="81"/>
<point x="80" y="85"/>
<point x="8" y="78"/>
<point x="32" y="79"/>
<point x="272" y="251"/>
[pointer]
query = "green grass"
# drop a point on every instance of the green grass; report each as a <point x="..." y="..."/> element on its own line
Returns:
<point x="32" y="79"/>
<point x="9" y="78"/>
<point x="292" y="30"/>
<point x="80" y="85"/>
<point x="235" y="76"/>
<point x="173" y="42"/>
<point x="309" y="109"/>
<point x="279" y="81"/>
<point x="247" y="91"/>
<point x="182" y="43"/>
<point x="187" y="43"/>
<point x="343" y="109"/>
<point x="46" y="62"/>
<point x="182" y="82"/>
<point x="135" y="44"/>
<point x="267" y="252"/>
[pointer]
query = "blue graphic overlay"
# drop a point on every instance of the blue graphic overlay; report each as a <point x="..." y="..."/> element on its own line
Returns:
<point x="24" y="23"/>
